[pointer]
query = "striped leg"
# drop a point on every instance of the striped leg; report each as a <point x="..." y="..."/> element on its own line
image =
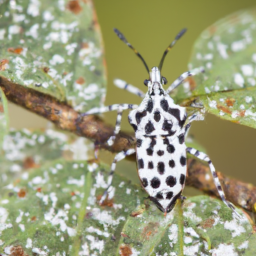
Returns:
<point x="117" y="126"/>
<point x="204" y="157"/>
<point x="120" y="156"/>
<point x="180" y="79"/>
<point x="108" y="109"/>
<point x="128" y="87"/>
<point x="195" y="117"/>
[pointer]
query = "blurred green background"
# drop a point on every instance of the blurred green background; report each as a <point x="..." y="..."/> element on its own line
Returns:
<point x="150" y="26"/>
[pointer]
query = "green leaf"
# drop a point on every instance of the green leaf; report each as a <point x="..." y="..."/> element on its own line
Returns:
<point x="227" y="51"/>
<point x="24" y="150"/>
<point x="55" y="210"/>
<point x="4" y="118"/>
<point x="54" y="47"/>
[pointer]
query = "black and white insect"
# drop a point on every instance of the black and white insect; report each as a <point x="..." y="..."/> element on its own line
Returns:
<point x="160" y="129"/>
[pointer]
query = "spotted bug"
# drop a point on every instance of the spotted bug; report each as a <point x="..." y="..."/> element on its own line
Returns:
<point x="160" y="128"/>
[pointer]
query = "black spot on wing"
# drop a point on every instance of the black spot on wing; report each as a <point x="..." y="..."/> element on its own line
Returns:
<point x="160" y="152"/>
<point x="140" y="115"/>
<point x="161" y="168"/>
<point x="157" y="116"/>
<point x="144" y="182"/>
<point x="153" y="142"/>
<point x="169" y="195"/>
<point x="150" y="106"/>
<point x="134" y="127"/>
<point x="181" y="138"/>
<point x="166" y="141"/>
<point x="159" y="195"/>
<point x="149" y="151"/>
<point x="140" y="164"/>
<point x="172" y="163"/>
<point x="167" y="126"/>
<point x="155" y="182"/>
<point x="150" y="165"/>
<point x="176" y="113"/>
<point x="183" y="160"/>
<point x="170" y="148"/>
<point x="182" y="179"/>
<point x="164" y="105"/>
<point x="149" y="128"/>
<point x="139" y="142"/>
<point x="171" y="181"/>
<point x="173" y="202"/>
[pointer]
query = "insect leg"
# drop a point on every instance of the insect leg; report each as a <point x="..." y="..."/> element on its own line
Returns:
<point x="108" y="109"/>
<point x="182" y="77"/>
<point x="120" y="156"/>
<point x="117" y="126"/>
<point x="128" y="87"/>
<point x="204" y="157"/>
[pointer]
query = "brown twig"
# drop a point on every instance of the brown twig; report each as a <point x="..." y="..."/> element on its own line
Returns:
<point x="94" y="128"/>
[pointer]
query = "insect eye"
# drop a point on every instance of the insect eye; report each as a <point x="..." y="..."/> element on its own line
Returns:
<point x="164" y="80"/>
<point x="146" y="82"/>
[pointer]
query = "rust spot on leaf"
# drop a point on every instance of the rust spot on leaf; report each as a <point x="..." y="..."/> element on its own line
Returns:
<point x="39" y="190"/>
<point x="224" y="109"/>
<point x="149" y="230"/>
<point x="1" y="109"/>
<point x="85" y="45"/>
<point x="29" y="163"/>
<point x="107" y="202"/>
<point x="73" y="193"/>
<point x="3" y="63"/>
<point x="80" y="80"/>
<point x="17" y="251"/>
<point x="125" y="250"/>
<point x="33" y="218"/>
<point x="46" y="69"/>
<point x="124" y="235"/>
<point x="242" y="113"/>
<point x="22" y="193"/>
<point x="208" y="223"/>
<point x="212" y="29"/>
<point x="137" y="213"/>
<point x="74" y="6"/>
<point x="230" y="102"/>
<point x="192" y="83"/>
<point x="17" y="50"/>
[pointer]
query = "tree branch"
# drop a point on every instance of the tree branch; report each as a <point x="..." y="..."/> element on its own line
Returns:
<point x="94" y="128"/>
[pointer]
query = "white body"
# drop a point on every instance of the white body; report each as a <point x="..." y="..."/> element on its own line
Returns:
<point x="161" y="150"/>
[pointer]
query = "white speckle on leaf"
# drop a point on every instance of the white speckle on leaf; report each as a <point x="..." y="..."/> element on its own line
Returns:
<point x="191" y="250"/>
<point x="254" y="57"/>
<point x="29" y="243"/>
<point x="247" y="70"/>
<point x="15" y="168"/>
<point x="239" y="80"/>
<point x="212" y="103"/>
<point x="244" y="245"/>
<point x="235" y="227"/>
<point x="222" y="48"/>
<point x="191" y="231"/>
<point x="14" y="29"/>
<point x="2" y="32"/>
<point x="206" y="90"/>
<point x="224" y="249"/>
<point x="251" y="81"/>
<point x="33" y="31"/>
<point x="33" y="8"/>
<point x="173" y="234"/>
<point x="47" y="45"/>
<point x="48" y="16"/>
<point x="39" y="251"/>
<point x="248" y="99"/>
<point x="5" y="201"/>
<point x="208" y="56"/>
<point x="22" y="227"/>
<point x="235" y="114"/>
<point x="3" y="215"/>
<point x="238" y="46"/>
<point x="96" y="243"/>
<point x="187" y="240"/>
<point x="38" y="180"/>
<point x="242" y="107"/>
<point x="97" y="231"/>
<point x="56" y="59"/>
<point x="128" y="191"/>
<point x="19" y="218"/>
<point x="79" y="183"/>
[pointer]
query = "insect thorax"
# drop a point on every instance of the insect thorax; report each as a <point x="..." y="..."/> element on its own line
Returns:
<point x="161" y="151"/>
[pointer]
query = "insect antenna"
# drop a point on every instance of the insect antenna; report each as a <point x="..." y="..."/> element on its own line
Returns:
<point x="121" y="36"/>
<point x="180" y="34"/>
